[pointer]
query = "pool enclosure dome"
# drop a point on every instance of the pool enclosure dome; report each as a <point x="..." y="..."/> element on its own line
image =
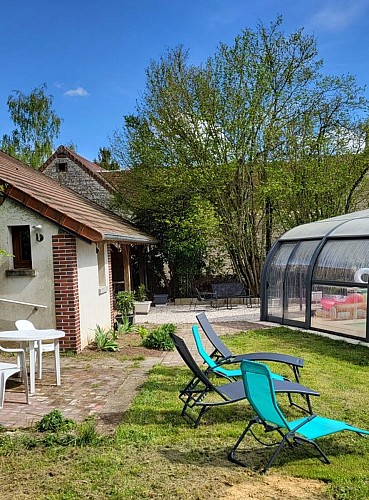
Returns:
<point x="316" y="277"/>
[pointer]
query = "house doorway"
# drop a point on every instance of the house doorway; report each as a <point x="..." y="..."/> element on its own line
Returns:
<point x="117" y="269"/>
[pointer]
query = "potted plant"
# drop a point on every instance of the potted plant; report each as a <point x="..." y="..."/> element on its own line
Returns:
<point x="142" y="305"/>
<point x="125" y="305"/>
<point x="160" y="298"/>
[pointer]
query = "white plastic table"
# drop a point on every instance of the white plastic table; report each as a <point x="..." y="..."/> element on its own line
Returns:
<point x="32" y="336"/>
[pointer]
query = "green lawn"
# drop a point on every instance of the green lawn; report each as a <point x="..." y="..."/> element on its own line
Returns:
<point x="156" y="454"/>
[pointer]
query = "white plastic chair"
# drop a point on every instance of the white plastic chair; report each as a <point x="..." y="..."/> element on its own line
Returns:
<point x="25" y="324"/>
<point x="9" y="369"/>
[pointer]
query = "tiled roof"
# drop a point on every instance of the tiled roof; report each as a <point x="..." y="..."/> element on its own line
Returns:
<point x="63" y="206"/>
<point x="115" y="177"/>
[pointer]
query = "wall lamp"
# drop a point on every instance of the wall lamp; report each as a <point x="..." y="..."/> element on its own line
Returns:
<point x="39" y="235"/>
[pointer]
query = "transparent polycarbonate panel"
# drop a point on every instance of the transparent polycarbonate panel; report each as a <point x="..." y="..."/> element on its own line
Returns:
<point x="295" y="280"/>
<point x="346" y="224"/>
<point x="339" y="309"/>
<point x="355" y="227"/>
<point x="312" y="230"/>
<point x="343" y="260"/>
<point x="275" y="277"/>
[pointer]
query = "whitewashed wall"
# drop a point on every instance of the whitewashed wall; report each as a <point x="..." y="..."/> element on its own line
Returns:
<point x="36" y="290"/>
<point x="94" y="301"/>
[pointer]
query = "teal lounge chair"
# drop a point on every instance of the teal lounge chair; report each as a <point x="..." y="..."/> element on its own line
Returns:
<point x="221" y="351"/>
<point x="258" y="382"/>
<point x="216" y="366"/>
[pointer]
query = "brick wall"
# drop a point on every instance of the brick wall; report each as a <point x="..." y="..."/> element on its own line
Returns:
<point x="66" y="291"/>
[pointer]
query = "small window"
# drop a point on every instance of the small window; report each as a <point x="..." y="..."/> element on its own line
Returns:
<point x="101" y="264"/>
<point x="62" y="167"/>
<point x="21" y="247"/>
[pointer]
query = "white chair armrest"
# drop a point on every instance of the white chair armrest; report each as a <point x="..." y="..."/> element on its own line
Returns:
<point x="21" y="355"/>
<point x="14" y="350"/>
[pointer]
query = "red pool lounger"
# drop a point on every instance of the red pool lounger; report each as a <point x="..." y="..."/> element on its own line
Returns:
<point x="336" y="304"/>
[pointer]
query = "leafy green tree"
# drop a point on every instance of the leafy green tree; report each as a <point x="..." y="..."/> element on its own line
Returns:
<point x="254" y="131"/>
<point x="105" y="159"/>
<point x="163" y="202"/>
<point x="36" y="126"/>
<point x="71" y="146"/>
<point x="322" y="170"/>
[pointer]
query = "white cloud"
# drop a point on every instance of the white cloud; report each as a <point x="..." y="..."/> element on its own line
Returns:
<point x="79" y="92"/>
<point x="338" y="15"/>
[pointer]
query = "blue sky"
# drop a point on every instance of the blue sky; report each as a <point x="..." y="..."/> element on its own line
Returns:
<point x="92" y="54"/>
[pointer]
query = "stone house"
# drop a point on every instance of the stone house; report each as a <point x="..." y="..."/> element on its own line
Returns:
<point x="81" y="175"/>
<point x="60" y="272"/>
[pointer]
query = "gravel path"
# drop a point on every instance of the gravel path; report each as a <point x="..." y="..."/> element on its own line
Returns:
<point x="183" y="314"/>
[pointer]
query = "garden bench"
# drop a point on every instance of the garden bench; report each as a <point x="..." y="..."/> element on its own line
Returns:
<point x="229" y="291"/>
<point x="203" y="298"/>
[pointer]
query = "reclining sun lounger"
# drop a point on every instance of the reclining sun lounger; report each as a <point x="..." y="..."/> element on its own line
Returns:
<point x="260" y="391"/>
<point x="221" y="351"/>
<point x="220" y="367"/>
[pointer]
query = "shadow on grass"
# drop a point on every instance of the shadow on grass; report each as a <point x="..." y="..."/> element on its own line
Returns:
<point x="302" y="342"/>
<point x="232" y="413"/>
<point x="256" y="457"/>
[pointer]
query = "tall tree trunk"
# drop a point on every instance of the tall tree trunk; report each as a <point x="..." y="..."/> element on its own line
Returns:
<point x="268" y="225"/>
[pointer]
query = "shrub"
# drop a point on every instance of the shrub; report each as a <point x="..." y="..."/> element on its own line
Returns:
<point x="141" y="293"/>
<point x="125" y="326"/>
<point x="105" y="340"/>
<point x="159" y="338"/>
<point x="125" y="303"/>
<point x="142" y="331"/>
<point x="54" y="422"/>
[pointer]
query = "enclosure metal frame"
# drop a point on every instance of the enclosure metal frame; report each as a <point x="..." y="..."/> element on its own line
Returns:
<point x="264" y="316"/>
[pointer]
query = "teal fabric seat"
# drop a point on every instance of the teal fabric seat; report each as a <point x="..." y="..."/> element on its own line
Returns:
<point x="222" y="353"/>
<point x="259" y="390"/>
<point x="320" y="427"/>
<point x="216" y="367"/>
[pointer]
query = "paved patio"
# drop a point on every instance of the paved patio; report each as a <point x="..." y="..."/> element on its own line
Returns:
<point x="105" y="387"/>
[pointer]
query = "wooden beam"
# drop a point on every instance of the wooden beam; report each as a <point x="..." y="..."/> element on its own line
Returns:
<point x="126" y="254"/>
<point x="141" y="264"/>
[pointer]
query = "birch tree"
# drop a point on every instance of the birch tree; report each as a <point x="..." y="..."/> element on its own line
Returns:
<point x="36" y="126"/>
